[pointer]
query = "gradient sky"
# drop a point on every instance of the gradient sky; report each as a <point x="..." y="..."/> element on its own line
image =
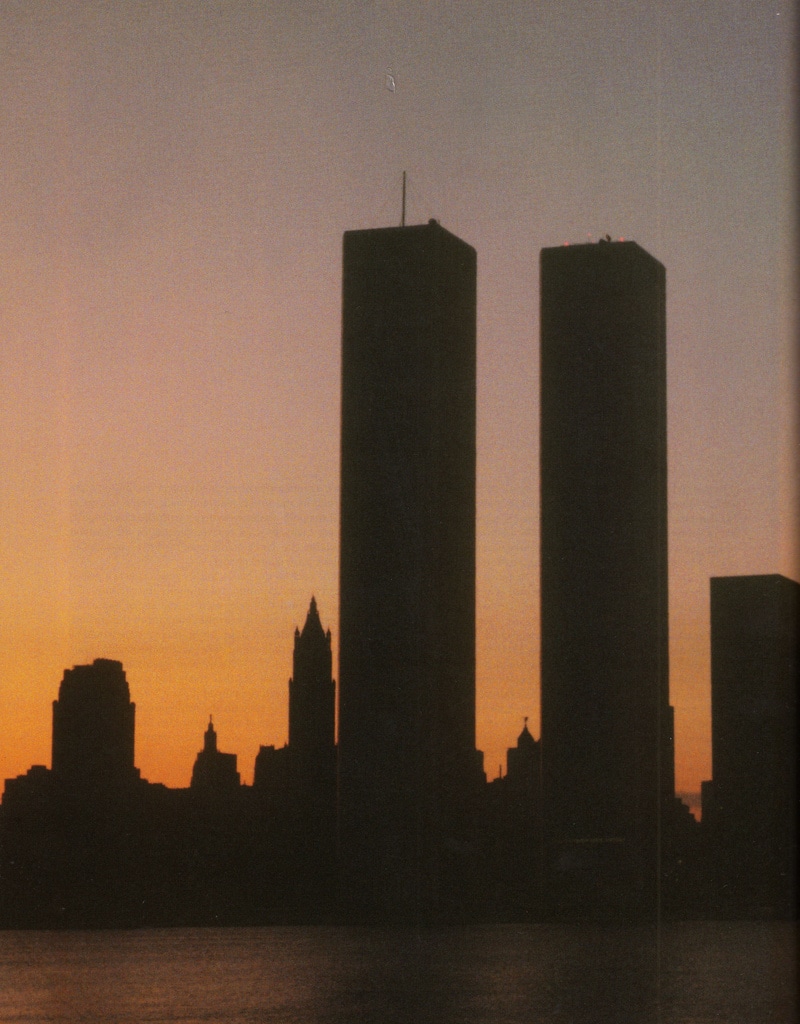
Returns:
<point x="175" y="179"/>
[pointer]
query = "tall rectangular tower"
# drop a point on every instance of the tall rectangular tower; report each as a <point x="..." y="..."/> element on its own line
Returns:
<point x="407" y="564"/>
<point x="750" y="808"/>
<point x="607" y="754"/>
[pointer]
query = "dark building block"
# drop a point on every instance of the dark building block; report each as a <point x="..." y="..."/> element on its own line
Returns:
<point x="214" y="773"/>
<point x="407" y="759"/>
<point x="607" y="750"/>
<point x="312" y="693"/>
<point x="93" y="725"/>
<point x="750" y="806"/>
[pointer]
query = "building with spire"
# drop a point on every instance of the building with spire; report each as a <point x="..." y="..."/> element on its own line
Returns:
<point x="214" y="772"/>
<point x="303" y="772"/>
<point x="295" y="785"/>
<point x="312" y="740"/>
<point x="512" y="833"/>
<point x="408" y="767"/>
<point x="523" y="765"/>
<point x="312" y="694"/>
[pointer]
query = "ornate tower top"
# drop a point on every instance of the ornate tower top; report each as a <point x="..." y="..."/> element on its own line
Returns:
<point x="525" y="738"/>
<point x="210" y="743"/>
<point x="311" y="688"/>
<point x="313" y="625"/>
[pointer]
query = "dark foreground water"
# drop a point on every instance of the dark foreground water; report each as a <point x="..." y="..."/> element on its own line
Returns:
<point x="736" y="973"/>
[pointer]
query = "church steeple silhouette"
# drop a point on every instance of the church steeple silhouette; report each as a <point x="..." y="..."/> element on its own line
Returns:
<point x="214" y="772"/>
<point x="313" y="626"/>
<point x="312" y="759"/>
<point x="525" y="739"/>
<point x="312" y="691"/>
<point x="210" y="744"/>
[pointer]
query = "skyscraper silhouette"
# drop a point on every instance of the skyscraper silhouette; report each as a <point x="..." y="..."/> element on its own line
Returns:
<point x="407" y="756"/>
<point x="312" y="700"/>
<point x="750" y="807"/>
<point x="93" y="726"/>
<point x="607" y="753"/>
<point x="303" y="773"/>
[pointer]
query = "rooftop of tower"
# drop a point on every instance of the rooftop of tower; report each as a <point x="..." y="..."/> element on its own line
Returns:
<point x="313" y="625"/>
<point x="104" y="676"/>
<point x="432" y="227"/>
<point x="602" y="246"/>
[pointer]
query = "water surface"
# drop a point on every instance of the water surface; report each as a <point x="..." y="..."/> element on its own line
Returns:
<point x="710" y="973"/>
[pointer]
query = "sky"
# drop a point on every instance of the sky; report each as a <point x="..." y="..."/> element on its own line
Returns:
<point x="175" y="180"/>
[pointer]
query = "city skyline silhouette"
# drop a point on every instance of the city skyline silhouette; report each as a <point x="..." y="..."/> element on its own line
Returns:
<point x="176" y="190"/>
<point x="392" y="821"/>
<point x="89" y="843"/>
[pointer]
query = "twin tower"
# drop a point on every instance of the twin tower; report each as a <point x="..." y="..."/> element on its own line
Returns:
<point x="409" y="773"/>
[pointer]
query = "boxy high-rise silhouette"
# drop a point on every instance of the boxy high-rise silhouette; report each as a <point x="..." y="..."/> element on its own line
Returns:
<point x="407" y="759"/>
<point x="607" y="751"/>
<point x="750" y="806"/>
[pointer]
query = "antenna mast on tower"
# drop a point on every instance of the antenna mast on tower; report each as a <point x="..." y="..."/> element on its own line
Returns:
<point x="403" y="208"/>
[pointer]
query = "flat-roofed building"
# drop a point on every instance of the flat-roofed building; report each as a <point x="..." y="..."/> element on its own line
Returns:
<point x="606" y="734"/>
<point x="750" y="805"/>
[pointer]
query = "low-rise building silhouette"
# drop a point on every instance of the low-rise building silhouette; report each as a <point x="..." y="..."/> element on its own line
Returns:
<point x="523" y="769"/>
<point x="72" y="836"/>
<point x="214" y="772"/>
<point x="513" y="833"/>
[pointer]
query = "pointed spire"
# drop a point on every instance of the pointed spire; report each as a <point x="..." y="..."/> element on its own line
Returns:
<point x="313" y="624"/>
<point x="211" y="736"/>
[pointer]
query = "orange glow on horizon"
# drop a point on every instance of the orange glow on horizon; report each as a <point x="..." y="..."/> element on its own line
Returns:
<point x="238" y="670"/>
<point x="175" y="193"/>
